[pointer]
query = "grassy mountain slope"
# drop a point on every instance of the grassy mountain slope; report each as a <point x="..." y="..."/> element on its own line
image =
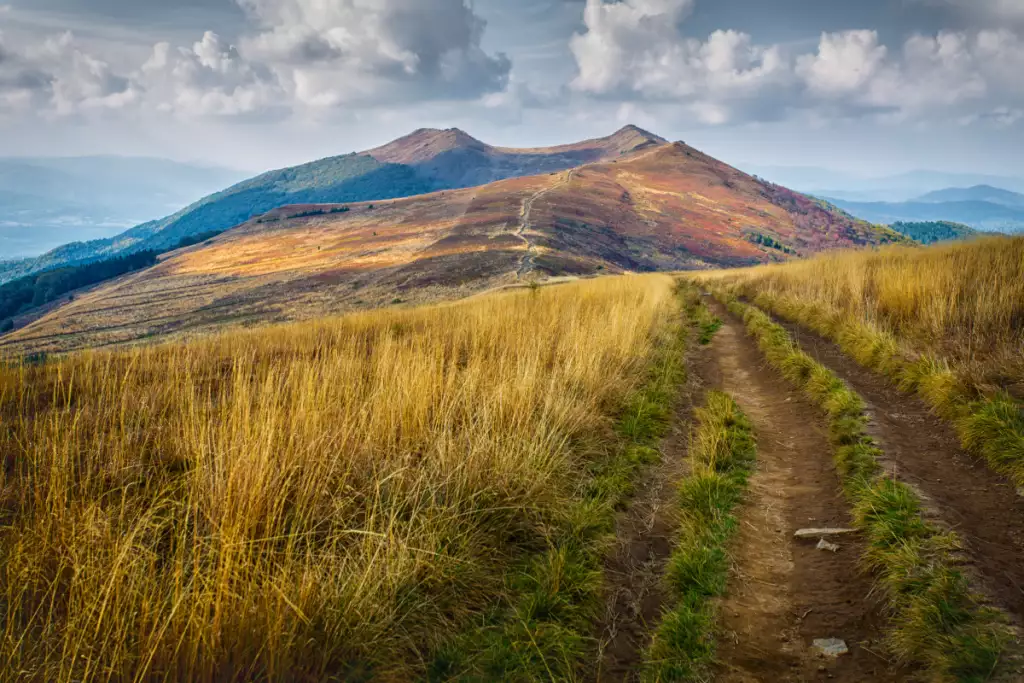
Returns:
<point x="425" y="161"/>
<point x="665" y="207"/>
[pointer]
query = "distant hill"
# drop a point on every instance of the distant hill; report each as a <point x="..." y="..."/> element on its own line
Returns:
<point x="978" y="193"/>
<point x="46" y="202"/>
<point x="424" y="161"/>
<point x="651" y="206"/>
<point x="984" y="216"/>
<point x="935" y="231"/>
<point x="897" y="188"/>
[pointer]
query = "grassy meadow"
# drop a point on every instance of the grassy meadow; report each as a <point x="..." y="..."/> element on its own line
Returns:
<point x="334" y="500"/>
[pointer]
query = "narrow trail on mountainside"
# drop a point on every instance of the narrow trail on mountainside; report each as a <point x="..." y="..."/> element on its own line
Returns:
<point x="961" y="492"/>
<point x="525" y="222"/>
<point x="784" y="593"/>
<point x="644" y="532"/>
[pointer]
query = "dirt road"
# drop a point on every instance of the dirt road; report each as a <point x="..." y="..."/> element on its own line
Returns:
<point x="785" y="593"/>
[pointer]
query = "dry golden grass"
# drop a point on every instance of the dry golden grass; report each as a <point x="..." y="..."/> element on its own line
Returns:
<point x="961" y="303"/>
<point x="317" y="501"/>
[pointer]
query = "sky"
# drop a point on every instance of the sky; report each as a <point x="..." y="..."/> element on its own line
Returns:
<point x="871" y="87"/>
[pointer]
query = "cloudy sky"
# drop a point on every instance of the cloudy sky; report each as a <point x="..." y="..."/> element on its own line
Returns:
<point x="872" y="86"/>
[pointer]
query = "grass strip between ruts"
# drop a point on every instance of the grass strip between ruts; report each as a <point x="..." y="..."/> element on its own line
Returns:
<point x="722" y="455"/>
<point x="990" y="424"/>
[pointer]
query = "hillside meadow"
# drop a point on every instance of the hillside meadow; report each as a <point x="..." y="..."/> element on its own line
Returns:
<point x="332" y="500"/>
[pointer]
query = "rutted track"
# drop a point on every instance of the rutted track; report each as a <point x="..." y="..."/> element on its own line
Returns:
<point x="785" y="593"/>
<point x="981" y="506"/>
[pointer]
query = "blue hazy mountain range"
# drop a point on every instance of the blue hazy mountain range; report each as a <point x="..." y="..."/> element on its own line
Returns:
<point x="895" y="188"/>
<point x="987" y="203"/>
<point x="982" y="207"/>
<point x="46" y="202"/>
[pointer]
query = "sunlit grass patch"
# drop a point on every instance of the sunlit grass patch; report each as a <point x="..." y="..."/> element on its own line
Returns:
<point x="339" y="498"/>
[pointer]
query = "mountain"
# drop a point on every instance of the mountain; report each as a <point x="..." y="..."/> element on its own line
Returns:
<point x="980" y="215"/>
<point x="935" y="231"/>
<point x="46" y="202"/>
<point x="653" y="206"/>
<point x="978" y="193"/>
<point x="424" y="161"/>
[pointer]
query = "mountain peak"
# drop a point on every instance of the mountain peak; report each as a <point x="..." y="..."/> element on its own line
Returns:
<point x="632" y="131"/>
<point x="424" y="144"/>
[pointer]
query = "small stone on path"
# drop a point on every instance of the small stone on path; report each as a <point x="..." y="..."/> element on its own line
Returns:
<point x="825" y="545"/>
<point x="831" y="647"/>
<point x="820" y="533"/>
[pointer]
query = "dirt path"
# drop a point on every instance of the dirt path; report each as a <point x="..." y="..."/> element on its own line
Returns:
<point x="925" y="452"/>
<point x="644" y="532"/>
<point x="525" y="223"/>
<point x="784" y="593"/>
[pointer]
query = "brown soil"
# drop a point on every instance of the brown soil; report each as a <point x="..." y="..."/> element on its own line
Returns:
<point x="644" y="532"/>
<point x="924" y="450"/>
<point x="785" y="593"/>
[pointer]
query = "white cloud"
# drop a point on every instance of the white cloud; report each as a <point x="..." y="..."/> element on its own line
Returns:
<point x="637" y="50"/>
<point x="59" y="78"/>
<point x="356" y="52"/>
<point x="210" y="79"/>
<point x="845" y="63"/>
<point x="950" y="75"/>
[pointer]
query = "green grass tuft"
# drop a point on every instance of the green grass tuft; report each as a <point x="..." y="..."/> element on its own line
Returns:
<point x="722" y="453"/>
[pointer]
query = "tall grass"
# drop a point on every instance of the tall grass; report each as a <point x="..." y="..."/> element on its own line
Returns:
<point x="945" y="322"/>
<point x="325" y="501"/>
<point x="964" y="302"/>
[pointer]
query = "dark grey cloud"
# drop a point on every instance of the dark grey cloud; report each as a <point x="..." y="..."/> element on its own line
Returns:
<point x="288" y="55"/>
<point x="176" y="15"/>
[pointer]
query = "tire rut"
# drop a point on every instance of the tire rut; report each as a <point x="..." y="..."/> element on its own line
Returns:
<point x="962" y="492"/>
<point x="785" y="593"/>
<point x="644" y="532"/>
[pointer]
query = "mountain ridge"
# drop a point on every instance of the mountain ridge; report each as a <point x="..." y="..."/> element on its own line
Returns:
<point x="664" y="207"/>
<point x="436" y="160"/>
